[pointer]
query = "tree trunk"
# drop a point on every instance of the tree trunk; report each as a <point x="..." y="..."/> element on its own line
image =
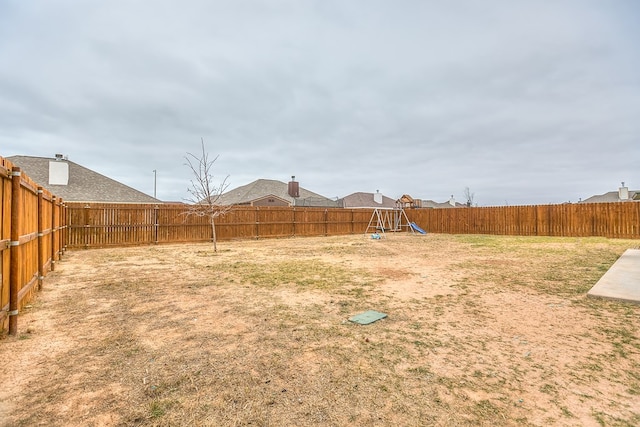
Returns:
<point x="213" y="235"/>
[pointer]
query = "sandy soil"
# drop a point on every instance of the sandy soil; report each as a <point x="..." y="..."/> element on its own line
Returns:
<point x="481" y="330"/>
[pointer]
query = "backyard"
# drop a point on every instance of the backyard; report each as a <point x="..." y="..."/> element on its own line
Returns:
<point x="481" y="330"/>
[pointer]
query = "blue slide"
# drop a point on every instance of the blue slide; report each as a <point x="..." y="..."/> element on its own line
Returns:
<point x="418" y="229"/>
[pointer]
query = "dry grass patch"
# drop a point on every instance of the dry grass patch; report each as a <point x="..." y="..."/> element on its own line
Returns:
<point x="482" y="330"/>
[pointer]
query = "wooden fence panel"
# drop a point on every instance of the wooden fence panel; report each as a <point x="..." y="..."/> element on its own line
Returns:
<point x="172" y="224"/>
<point x="360" y="219"/>
<point x="55" y="235"/>
<point x="274" y="222"/>
<point x="26" y="245"/>
<point x="45" y="231"/>
<point x="99" y="225"/>
<point x="96" y="225"/>
<point x="339" y="221"/>
<point x="59" y="243"/>
<point x="311" y="222"/>
<point x="239" y="223"/>
<point x="614" y="220"/>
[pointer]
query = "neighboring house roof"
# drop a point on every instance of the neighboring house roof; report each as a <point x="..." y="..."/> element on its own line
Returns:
<point x="367" y="200"/>
<point x="613" y="196"/>
<point x="261" y="189"/>
<point x="82" y="184"/>
<point x="436" y="205"/>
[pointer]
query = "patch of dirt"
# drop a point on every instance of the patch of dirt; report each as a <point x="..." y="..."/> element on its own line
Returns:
<point x="481" y="330"/>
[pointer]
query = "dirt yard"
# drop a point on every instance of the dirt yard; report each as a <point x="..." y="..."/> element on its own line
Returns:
<point x="481" y="330"/>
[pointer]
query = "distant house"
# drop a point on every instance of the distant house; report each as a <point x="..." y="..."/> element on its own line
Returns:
<point x="367" y="200"/>
<point x="270" y="192"/>
<point x="622" y="195"/>
<point x="451" y="203"/>
<point x="75" y="183"/>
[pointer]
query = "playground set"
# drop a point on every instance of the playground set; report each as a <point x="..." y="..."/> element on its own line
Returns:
<point x="394" y="220"/>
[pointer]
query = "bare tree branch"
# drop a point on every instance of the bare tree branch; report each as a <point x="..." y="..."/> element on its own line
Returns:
<point x="469" y="196"/>
<point x="205" y="196"/>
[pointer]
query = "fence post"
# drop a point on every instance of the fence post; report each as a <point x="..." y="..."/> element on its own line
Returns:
<point x="40" y="237"/>
<point x="14" y="264"/>
<point x="352" y="223"/>
<point x="63" y="223"/>
<point x="257" y="223"/>
<point x="60" y="242"/>
<point x="326" y="220"/>
<point x="294" y="222"/>
<point x="155" y="224"/>
<point x="54" y="233"/>
<point x="85" y="229"/>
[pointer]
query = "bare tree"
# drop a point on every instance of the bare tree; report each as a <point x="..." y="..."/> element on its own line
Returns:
<point x="204" y="194"/>
<point x="468" y="195"/>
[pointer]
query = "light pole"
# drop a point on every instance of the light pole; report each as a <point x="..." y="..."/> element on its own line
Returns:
<point x="155" y="174"/>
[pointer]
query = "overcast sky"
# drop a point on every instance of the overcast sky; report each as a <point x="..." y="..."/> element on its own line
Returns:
<point x="523" y="102"/>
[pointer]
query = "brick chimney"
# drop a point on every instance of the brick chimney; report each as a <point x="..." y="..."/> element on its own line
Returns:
<point x="294" y="187"/>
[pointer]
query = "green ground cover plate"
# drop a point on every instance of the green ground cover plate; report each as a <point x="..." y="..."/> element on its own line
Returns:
<point x="367" y="317"/>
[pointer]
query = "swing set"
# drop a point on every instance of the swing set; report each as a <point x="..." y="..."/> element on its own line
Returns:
<point x="383" y="220"/>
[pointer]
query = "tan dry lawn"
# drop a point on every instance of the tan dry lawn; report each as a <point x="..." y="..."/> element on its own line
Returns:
<point x="481" y="330"/>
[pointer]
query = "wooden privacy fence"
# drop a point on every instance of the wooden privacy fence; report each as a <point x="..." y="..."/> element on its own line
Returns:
<point x="102" y="225"/>
<point x="31" y="240"/>
<point x="92" y="225"/>
<point x="615" y="220"/>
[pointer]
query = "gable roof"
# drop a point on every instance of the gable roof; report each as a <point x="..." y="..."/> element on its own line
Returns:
<point x="84" y="185"/>
<point x="262" y="188"/>
<point x="366" y="200"/>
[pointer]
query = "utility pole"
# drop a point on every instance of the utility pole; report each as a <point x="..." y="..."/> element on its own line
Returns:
<point x="155" y="175"/>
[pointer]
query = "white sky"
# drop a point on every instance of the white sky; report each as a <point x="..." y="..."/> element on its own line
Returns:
<point x="524" y="102"/>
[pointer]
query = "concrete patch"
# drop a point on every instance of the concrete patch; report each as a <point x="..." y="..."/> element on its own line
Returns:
<point x="367" y="317"/>
<point x="622" y="280"/>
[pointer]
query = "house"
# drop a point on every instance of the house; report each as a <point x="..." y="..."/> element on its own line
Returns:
<point x="451" y="203"/>
<point x="270" y="192"/>
<point x="75" y="183"/>
<point x="622" y="195"/>
<point x="367" y="200"/>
